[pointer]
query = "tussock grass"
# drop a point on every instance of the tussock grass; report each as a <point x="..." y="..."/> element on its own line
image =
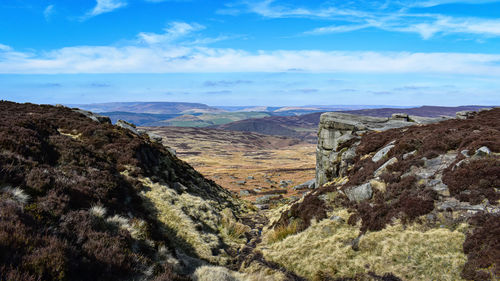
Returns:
<point x="137" y="228"/>
<point x="17" y="194"/>
<point x="255" y="271"/>
<point x="74" y="135"/>
<point x="411" y="253"/>
<point x="282" y="231"/>
<point x="217" y="273"/>
<point x="98" y="211"/>
<point x="212" y="273"/>
<point x="190" y="218"/>
<point x="231" y="228"/>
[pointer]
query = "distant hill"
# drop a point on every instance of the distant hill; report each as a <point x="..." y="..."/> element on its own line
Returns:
<point x="139" y="119"/>
<point x="305" y="126"/>
<point x="424" y="111"/>
<point x="207" y="119"/>
<point x="302" y="127"/>
<point x="150" y="107"/>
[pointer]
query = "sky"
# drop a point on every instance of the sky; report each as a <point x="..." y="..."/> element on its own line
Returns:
<point x="261" y="52"/>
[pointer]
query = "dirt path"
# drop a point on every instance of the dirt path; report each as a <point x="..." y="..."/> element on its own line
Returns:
<point x="249" y="253"/>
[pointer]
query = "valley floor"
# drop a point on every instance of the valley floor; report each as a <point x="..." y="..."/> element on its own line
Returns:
<point x="248" y="164"/>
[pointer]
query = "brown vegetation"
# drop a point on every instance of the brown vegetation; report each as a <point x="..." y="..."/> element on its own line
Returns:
<point x="301" y="214"/>
<point x="230" y="157"/>
<point x="482" y="246"/>
<point x="473" y="181"/>
<point x="405" y="198"/>
<point x="62" y="164"/>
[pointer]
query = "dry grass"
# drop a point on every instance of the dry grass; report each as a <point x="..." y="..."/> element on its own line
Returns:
<point x="98" y="211"/>
<point x="411" y="252"/>
<point x="74" y="134"/>
<point x="231" y="228"/>
<point x="282" y="231"/>
<point x="180" y="213"/>
<point x="16" y="194"/>
<point x="212" y="273"/>
<point x="228" y="157"/>
<point x="217" y="273"/>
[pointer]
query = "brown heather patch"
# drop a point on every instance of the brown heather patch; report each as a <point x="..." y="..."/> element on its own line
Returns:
<point x="472" y="182"/>
<point x="482" y="246"/>
<point x="53" y="236"/>
<point x="302" y="214"/>
<point x="402" y="200"/>
<point x="475" y="181"/>
<point x="362" y="171"/>
<point x="434" y="139"/>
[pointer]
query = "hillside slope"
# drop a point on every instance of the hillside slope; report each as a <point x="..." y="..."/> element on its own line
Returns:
<point x="417" y="203"/>
<point x="305" y="126"/>
<point x="149" y="107"/>
<point x="81" y="199"/>
<point x="424" y="111"/>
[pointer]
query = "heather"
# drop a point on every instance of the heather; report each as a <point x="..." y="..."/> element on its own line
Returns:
<point x="71" y="198"/>
<point x="438" y="194"/>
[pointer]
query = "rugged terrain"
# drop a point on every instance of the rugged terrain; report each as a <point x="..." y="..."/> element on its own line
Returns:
<point x="248" y="164"/>
<point x="408" y="203"/>
<point x="82" y="199"/>
<point x="305" y="126"/>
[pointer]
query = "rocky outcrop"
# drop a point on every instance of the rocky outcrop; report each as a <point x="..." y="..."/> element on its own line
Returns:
<point x="94" y="116"/>
<point x="339" y="135"/>
<point x="427" y="191"/>
<point x="306" y="185"/>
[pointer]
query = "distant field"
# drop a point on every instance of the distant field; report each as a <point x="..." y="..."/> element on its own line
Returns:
<point x="228" y="158"/>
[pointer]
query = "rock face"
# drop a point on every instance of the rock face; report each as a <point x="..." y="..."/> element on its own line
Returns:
<point x="338" y="138"/>
<point x="438" y="182"/>
<point x="94" y="116"/>
<point x="359" y="193"/>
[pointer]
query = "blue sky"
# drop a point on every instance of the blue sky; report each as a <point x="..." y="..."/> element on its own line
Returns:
<point x="271" y="52"/>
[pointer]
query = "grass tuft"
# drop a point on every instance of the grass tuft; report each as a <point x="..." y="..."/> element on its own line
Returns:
<point x="17" y="194"/>
<point x="233" y="229"/>
<point x="283" y="231"/>
<point x="98" y="211"/>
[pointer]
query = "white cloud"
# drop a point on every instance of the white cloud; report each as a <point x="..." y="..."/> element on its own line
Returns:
<point x="269" y="8"/>
<point x="105" y="6"/>
<point x="450" y="25"/>
<point x="336" y="29"/>
<point x="433" y="3"/>
<point x="155" y="59"/>
<point x="5" y="48"/>
<point x="48" y="12"/>
<point x="159" y="1"/>
<point x="175" y="31"/>
<point x="393" y="16"/>
<point x="426" y="26"/>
